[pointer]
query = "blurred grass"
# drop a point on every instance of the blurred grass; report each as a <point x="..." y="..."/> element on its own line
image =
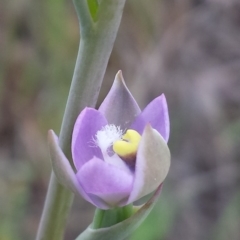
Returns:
<point x="158" y="223"/>
<point x="14" y="198"/>
<point x="228" y="225"/>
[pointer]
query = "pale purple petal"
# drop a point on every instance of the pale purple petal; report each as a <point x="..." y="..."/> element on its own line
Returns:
<point x="108" y="182"/>
<point x="83" y="147"/>
<point x="119" y="107"/>
<point x="116" y="161"/>
<point x="156" y="114"/>
<point x="62" y="167"/>
<point x="152" y="164"/>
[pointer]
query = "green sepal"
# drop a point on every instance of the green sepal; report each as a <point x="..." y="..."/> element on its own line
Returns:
<point x="123" y="229"/>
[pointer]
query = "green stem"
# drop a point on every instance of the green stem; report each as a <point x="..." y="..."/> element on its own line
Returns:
<point x="127" y="212"/>
<point x="95" y="48"/>
<point x="98" y="218"/>
<point x="55" y="212"/>
<point x="107" y="218"/>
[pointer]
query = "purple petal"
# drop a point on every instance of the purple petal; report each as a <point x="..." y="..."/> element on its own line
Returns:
<point x="119" y="107"/>
<point x="155" y="113"/>
<point x="62" y="168"/>
<point x="108" y="182"/>
<point x="83" y="147"/>
<point x="152" y="164"/>
<point x="116" y="161"/>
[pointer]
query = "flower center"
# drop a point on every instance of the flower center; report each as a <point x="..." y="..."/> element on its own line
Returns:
<point x="127" y="147"/>
<point x="107" y="136"/>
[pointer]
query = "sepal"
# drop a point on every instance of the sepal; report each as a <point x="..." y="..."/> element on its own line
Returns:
<point x="152" y="165"/>
<point x="62" y="168"/>
<point x="119" y="107"/>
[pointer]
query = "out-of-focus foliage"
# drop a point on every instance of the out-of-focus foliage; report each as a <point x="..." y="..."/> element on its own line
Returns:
<point x="187" y="49"/>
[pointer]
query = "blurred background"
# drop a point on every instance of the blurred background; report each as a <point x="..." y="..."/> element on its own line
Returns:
<point x="188" y="49"/>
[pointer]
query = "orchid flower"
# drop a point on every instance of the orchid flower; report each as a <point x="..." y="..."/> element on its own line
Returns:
<point x="120" y="152"/>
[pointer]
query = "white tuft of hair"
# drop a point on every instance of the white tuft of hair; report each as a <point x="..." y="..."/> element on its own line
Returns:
<point x="105" y="137"/>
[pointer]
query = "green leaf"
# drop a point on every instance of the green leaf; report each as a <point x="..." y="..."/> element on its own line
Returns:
<point x="93" y="8"/>
<point x="121" y="230"/>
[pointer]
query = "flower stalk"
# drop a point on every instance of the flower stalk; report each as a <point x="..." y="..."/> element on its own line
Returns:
<point x="122" y="229"/>
<point x="106" y="218"/>
<point x="97" y="39"/>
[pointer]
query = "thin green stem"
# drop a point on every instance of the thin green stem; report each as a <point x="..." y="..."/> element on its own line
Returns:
<point x="84" y="16"/>
<point x="98" y="218"/>
<point x="94" y="51"/>
<point x="107" y="218"/>
<point x="53" y="210"/>
<point x="127" y="212"/>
